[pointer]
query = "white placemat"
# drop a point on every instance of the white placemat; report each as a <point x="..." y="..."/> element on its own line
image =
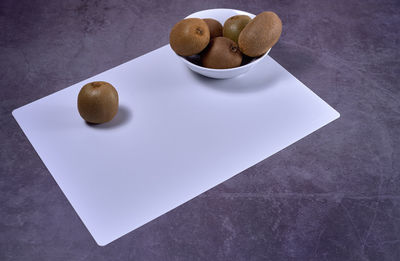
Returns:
<point x="176" y="135"/>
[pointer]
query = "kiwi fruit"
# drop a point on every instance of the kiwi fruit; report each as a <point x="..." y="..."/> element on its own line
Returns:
<point x="260" y="34"/>
<point x="98" y="102"/>
<point x="189" y="36"/>
<point x="234" y="25"/>
<point x="221" y="53"/>
<point x="214" y="26"/>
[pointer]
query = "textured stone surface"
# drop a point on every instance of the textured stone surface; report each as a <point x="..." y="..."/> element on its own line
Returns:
<point x="334" y="195"/>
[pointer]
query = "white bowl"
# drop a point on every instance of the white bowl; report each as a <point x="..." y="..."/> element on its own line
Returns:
<point x="221" y="15"/>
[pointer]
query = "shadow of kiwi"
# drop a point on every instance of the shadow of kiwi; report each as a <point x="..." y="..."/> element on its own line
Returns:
<point x="124" y="115"/>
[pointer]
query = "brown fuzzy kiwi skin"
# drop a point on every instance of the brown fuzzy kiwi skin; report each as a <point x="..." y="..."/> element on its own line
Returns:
<point x="214" y="26"/>
<point x="234" y="25"/>
<point x="98" y="102"/>
<point x="189" y="36"/>
<point x="221" y="53"/>
<point x="260" y="34"/>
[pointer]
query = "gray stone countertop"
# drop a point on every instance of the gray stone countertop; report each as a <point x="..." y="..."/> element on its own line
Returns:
<point x="334" y="195"/>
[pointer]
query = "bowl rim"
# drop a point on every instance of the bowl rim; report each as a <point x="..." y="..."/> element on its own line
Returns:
<point x="229" y="69"/>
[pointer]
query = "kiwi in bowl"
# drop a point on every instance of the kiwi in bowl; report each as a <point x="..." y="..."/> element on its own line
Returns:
<point x="247" y="39"/>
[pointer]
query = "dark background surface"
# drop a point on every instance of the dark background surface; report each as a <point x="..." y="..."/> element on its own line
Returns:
<point x="334" y="195"/>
